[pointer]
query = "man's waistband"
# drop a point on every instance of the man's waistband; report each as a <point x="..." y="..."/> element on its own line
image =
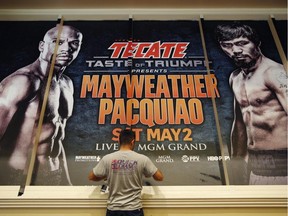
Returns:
<point x="268" y="162"/>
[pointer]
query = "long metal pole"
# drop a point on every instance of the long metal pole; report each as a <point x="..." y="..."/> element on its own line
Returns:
<point x="283" y="57"/>
<point x="226" y="177"/>
<point x="32" y="159"/>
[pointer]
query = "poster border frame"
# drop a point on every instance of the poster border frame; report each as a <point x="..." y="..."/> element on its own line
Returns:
<point x="153" y="196"/>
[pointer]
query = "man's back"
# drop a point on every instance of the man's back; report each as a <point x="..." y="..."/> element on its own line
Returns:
<point x="124" y="170"/>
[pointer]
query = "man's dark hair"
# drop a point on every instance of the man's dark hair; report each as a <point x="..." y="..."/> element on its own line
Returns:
<point x="226" y="32"/>
<point x="126" y="136"/>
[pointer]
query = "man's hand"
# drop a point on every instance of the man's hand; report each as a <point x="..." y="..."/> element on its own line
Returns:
<point x="92" y="177"/>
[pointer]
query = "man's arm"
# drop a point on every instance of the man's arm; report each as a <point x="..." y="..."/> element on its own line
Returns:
<point x="238" y="134"/>
<point x="13" y="90"/>
<point x="277" y="81"/>
<point x="99" y="172"/>
<point x="150" y="169"/>
<point x="158" y="176"/>
<point x="239" y="152"/>
<point x="93" y="177"/>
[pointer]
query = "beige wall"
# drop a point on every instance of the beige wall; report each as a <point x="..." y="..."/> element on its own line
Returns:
<point x="157" y="201"/>
<point x="150" y="212"/>
<point x="172" y="201"/>
<point x="112" y="4"/>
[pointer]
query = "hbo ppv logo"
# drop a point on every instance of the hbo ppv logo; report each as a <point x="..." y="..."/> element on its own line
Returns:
<point x="186" y="158"/>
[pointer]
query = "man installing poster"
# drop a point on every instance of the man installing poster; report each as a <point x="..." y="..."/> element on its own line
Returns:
<point x="259" y="130"/>
<point x="124" y="170"/>
<point x="21" y="96"/>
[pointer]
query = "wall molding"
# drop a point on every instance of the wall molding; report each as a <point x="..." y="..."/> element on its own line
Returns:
<point x="143" y="14"/>
<point x="153" y="197"/>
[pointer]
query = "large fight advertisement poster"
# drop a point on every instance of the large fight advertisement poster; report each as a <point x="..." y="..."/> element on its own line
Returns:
<point x="162" y="96"/>
<point x="147" y="75"/>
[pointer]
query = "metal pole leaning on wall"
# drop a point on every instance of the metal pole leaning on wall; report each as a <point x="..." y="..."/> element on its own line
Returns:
<point x="226" y="177"/>
<point x="130" y="66"/>
<point x="273" y="30"/>
<point x="30" y="163"/>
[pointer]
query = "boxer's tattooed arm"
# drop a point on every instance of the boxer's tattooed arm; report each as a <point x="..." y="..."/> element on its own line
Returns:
<point x="283" y="80"/>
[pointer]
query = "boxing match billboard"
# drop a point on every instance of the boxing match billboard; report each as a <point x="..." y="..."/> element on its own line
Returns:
<point x="150" y="76"/>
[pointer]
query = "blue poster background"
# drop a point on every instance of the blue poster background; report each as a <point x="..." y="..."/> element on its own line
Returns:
<point x="192" y="161"/>
<point x="83" y="132"/>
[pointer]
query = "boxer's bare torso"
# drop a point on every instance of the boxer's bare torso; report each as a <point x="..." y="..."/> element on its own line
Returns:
<point x="21" y="98"/>
<point x="261" y="100"/>
<point x="21" y="112"/>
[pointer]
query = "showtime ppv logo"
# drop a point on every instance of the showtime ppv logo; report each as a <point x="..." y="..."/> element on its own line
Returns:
<point x="146" y="50"/>
<point x="186" y="158"/>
